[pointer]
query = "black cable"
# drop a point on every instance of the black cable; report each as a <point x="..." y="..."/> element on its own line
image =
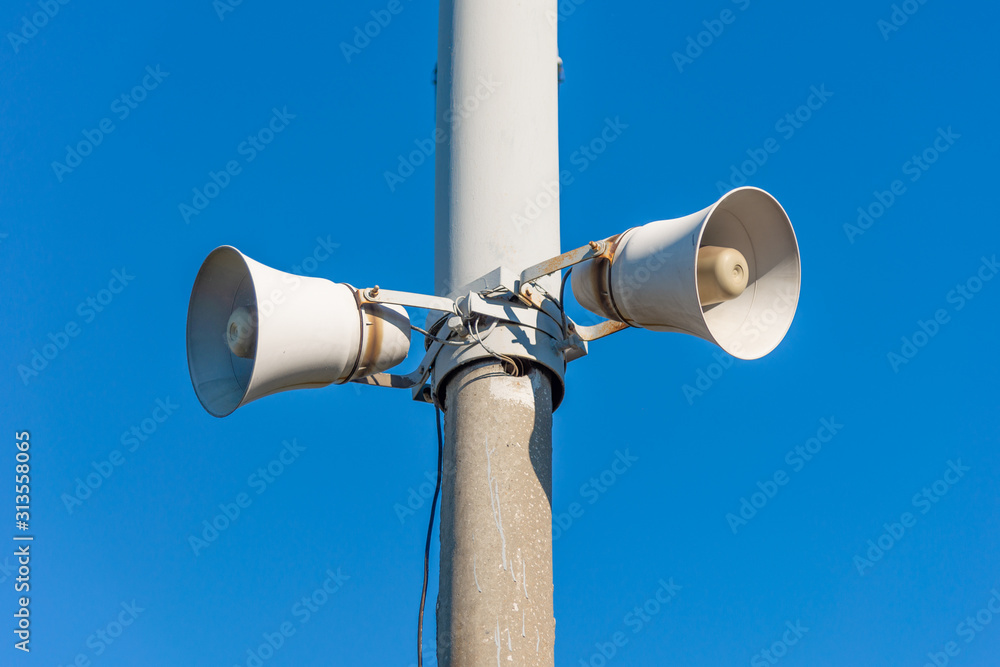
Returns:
<point x="440" y="340"/>
<point x="562" y="304"/>
<point x="427" y="547"/>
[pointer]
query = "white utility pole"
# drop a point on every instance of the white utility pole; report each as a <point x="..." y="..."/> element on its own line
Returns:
<point x="497" y="112"/>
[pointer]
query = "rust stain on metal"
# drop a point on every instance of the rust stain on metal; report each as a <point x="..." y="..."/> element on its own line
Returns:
<point x="601" y="330"/>
<point x="373" y="334"/>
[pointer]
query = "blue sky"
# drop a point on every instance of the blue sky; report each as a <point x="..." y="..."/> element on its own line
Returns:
<point x="887" y="179"/>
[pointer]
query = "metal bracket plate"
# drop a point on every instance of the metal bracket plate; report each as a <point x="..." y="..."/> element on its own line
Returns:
<point x="415" y="381"/>
<point x="378" y="295"/>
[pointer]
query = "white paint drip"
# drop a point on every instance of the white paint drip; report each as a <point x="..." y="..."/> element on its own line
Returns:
<point x="474" y="575"/>
<point x="495" y="504"/>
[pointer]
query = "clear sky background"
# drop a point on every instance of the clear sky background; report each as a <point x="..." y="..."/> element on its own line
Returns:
<point x="922" y="263"/>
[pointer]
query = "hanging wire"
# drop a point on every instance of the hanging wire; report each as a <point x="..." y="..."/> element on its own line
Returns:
<point x="562" y="304"/>
<point x="427" y="546"/>
<point x="504" y="359"/>
<point x="456" y="343"/>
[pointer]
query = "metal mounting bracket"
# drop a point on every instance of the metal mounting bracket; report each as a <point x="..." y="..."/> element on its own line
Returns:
<point x="600" y="330"/>
<point x="416" y="381"/>
<point x="536" y="310"/>
<point x="378" y="295"/>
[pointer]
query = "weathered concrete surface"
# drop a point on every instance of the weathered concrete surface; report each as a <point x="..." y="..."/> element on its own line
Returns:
<point x="495" y="600"/>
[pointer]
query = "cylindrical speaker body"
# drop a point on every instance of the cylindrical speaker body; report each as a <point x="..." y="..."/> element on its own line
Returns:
<point x="309" y="332"/>
<point x="652" y="281"/>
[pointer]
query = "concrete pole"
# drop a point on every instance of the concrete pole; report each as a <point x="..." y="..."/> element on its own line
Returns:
<point x="495" y="602"/>
<point x="496" y="205"/>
